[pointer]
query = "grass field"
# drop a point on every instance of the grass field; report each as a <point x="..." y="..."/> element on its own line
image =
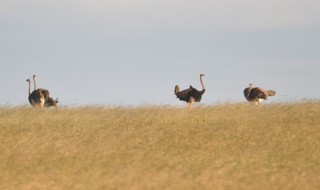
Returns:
<point x="229" y="146"/>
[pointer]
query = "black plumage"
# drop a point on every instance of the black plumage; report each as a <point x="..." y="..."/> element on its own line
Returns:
<point x="256" y="94"/>
<point x="191" y="94"/>
<point x="36" y="98"/>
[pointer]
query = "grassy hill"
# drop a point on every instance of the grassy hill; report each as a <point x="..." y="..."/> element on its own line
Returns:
<point x="230" y="146"/>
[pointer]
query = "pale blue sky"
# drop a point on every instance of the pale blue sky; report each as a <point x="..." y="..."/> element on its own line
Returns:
<point x="134" y="52"/>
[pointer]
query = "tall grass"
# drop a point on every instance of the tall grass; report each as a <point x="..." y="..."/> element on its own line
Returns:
<point x="229" y="146"/>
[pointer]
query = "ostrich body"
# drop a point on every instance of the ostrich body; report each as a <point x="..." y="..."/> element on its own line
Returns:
<point x="256" y="94"/>
<point x="50" y="102"/>
<point x="36" y="98"/>
<point x="191" y="94"/>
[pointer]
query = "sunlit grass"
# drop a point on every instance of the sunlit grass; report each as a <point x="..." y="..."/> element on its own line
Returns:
<point x="228" y="146"/>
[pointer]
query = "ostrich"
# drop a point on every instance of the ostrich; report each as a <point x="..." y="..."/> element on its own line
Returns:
<point x="51" y="102"/>
<point x="36" y="98"/>
<point x="48" y="100"/>
<point x="256" y="94"/>
<point x="191" y="94"/>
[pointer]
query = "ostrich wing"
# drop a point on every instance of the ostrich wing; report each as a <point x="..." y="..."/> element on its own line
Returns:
<point x="191" y="92"/>
<point x="184" y="95"/>
<point x="246" y="93"/>
<point x="50" y="102"/>
<point x="35" y="96"/>
<point x="196" y="94"/>
<point x="258" y="93"/>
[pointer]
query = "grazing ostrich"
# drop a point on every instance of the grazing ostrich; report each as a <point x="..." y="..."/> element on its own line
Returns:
<point x="36" y="98"/>
<point x="191" y="94"/>
<point x="51" y="102"/>
<point x="256" y="94"/>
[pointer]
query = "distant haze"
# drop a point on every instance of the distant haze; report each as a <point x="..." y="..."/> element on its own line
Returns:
<point x="134" y="52"/>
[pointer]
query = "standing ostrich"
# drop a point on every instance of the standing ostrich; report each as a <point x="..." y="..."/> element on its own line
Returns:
<point x="191" y="94"/>
<point x="48" y="100"/>
<point x="256" y="94"/>
<point x="36" y="98"/>
<point x="51" y="102"/>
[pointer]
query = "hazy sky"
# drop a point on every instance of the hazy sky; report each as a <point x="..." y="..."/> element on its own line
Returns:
<point x="134" y="52"/>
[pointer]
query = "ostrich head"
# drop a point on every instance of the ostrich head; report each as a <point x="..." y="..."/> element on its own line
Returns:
<point x="34" y="76"/>
<point x="28" y="80"/>
<point x="250" y="85"/>
<point x="202" y="75"/>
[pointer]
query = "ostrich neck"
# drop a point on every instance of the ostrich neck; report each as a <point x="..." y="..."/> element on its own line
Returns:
<point x="34" y="82"/>
<point x="202" y="84"/>
<point x="29" y="88"/>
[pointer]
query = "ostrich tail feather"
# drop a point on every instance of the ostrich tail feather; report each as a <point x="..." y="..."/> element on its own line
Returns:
<point x="271" y="92"/>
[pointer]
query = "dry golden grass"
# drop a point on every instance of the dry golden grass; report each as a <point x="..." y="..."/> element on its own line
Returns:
<point x="231" y="146"/>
